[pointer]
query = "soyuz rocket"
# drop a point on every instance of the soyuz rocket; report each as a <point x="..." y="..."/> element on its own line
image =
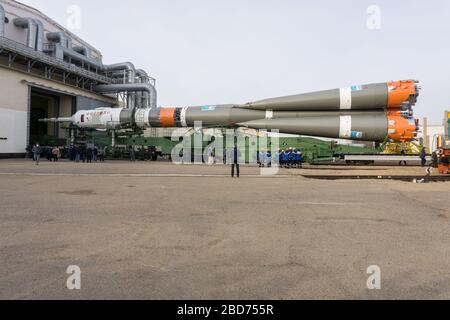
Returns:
<point x="373" y="112"/>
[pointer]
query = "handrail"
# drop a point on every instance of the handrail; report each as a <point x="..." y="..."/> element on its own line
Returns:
<point x="23" y="50"/>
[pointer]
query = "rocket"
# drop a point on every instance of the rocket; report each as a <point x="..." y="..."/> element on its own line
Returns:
<point x="98" y="119"/>
<point x="373" y="112"/>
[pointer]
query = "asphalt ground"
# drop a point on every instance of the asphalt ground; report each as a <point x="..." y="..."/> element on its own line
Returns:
<point x="151" y="230"/>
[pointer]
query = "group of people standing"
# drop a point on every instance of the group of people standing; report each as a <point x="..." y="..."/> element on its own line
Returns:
<point x="76" y="153"/>
<point x="87" y="154"/>
<point x="36" y="152"/>
<point x="288" y="158"/>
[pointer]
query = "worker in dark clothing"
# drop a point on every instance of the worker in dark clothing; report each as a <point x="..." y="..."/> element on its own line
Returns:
<point x="132" y="154"/>
<point x="423" y="157"/>
<point x="282" y="158"/>
<point x="95" y="154"/>
<point x="28" y="149"/>
<point x="403" y="153"/>
<point x="269" y="158"/>
<point x="77" y="153"/>
<point x="434" y="159"/>
<point x="83" y="153"/>
<point x="89" y="154"/>
<point x="235" y="155"/>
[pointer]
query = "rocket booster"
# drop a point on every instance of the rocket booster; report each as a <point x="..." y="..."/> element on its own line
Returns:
<point x="373" y="112"/>
<point x="392" y="95"/>
<point x="370" y="112"/>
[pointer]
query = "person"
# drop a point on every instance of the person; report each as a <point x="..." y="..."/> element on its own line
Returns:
<point x="423" y="157"/>
<point x="95" y="154"/>
<point x="28" y="150"/>
<point x="105" y="152"/>
<point x="296" y="158"/>
<point x="235" y="161"/>
<point x="269" y="158"/>
<point x="37" y="150"/>
<point x="83" y="153"/>
<point x="71" y="154"/>
<point x="434" y="159"/>
<point x="282" y="158"/>
<point x="76" y="151"/>
<point x="89" y="153"/>
<point x="289" y="157"/>
<point x="262" y="158"/>
<point x="403" y="153"/>
<point x="55" y="154"/>
<point x="132" y="154"/>
<point x="210" y="155"/>
<point x="101" y="154"/>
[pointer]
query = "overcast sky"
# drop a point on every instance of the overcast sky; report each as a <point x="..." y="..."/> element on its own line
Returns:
<point x="236" y="51"/>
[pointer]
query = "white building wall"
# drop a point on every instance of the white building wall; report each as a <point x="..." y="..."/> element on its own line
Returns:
<point x="14" y="87"/>
<point x="433" y="130"/>
<point x="13" y="131"/>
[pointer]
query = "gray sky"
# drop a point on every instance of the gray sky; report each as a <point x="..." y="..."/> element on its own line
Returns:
<point x="231" y="51"/>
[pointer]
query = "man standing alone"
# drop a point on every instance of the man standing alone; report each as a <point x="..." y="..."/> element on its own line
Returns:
<point x="132" y="154"/>
<point x="423" y="157"/>
<point x="235" y="161"/>
<point x="37" y="150"/>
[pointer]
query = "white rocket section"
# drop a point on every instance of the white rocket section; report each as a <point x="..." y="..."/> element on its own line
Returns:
<point x="141" y="118"/>
<point x="115" y="116"/>
<point x="102" y="118"/>
<point x="346" y="98"/>
<point x="183" y="117"/>
<point x="345" y="127"/>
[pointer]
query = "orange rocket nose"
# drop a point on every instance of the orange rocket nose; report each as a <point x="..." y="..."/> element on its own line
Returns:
<point x="401" y="129"/>
<point x="400" y="92"/>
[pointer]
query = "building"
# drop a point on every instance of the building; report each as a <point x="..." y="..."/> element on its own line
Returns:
<point x="447" y="128"/>
<point x="428" y="133"/>
<point x="47" y="71"/>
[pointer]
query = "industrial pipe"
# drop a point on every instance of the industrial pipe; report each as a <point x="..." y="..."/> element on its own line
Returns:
<point x="2" y="21"/>
<point x="81" y="50"/>
<point x="131" y="77"/>
<point x="31" y="25"/>
<point x="59" y="37"/>
<point x="142" y="97"/>
<point x="122" y="66"/>
<point x="129" y="87"/>
<point x="39" y="35"/>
